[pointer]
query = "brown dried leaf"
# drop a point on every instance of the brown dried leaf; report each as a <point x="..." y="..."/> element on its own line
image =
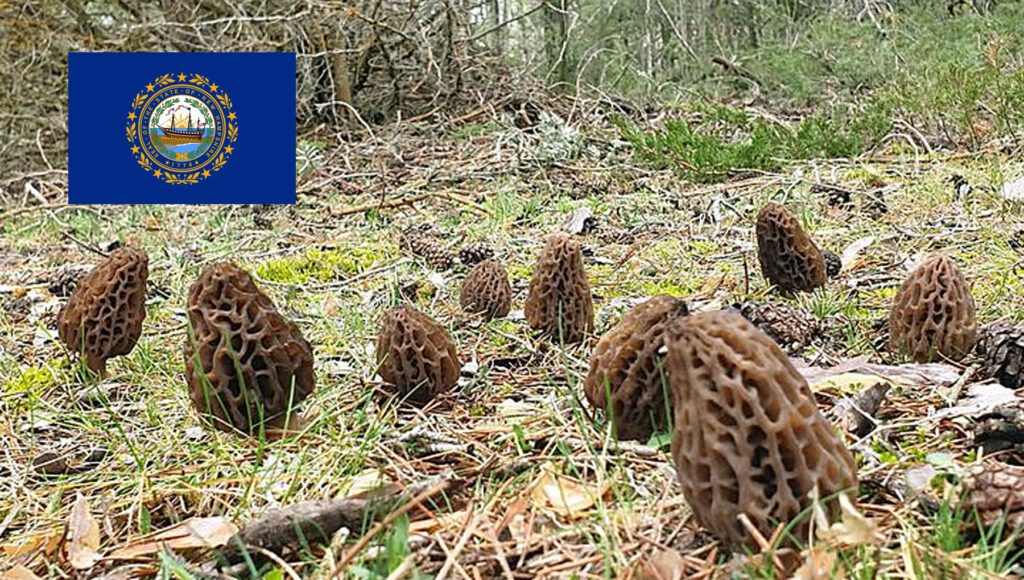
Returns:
<point x="661" y="565"/>
<point x="83" y="537"/>
<point x="818" y="566"/>
<point x="18" y="573"/>
<point x="564" y="496"/>
<point x="853" y="529"/>
<point x="192" y="533"/>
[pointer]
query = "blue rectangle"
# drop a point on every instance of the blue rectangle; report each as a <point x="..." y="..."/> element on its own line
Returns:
<point x="181" y="128"/>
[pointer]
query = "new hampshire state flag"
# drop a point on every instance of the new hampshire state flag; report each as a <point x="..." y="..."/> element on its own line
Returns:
<point x="181" y="128"/>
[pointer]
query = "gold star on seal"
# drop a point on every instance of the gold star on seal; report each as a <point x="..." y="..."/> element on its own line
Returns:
<point x="206" y="173"/>
<point x="156" y="173"/>
<point x="229" y="149"/>
<point x="213" y="87"/>
<point x="232" y="116"/>
<point x="131" y="116"/>
<point x="181" y="77"/>
<point x="135" y="149"/>
<point x="149" y="88"/>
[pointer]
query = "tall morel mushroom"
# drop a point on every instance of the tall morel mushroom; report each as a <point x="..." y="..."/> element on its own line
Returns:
<point x="416" y="355"/>
<point x="247" y="366"/>
<point x="486" y="290"/>
<point x="559" y="302"/>
<point x="103" y="317"/>
<point x="933" y="315"/>
<point x="749" y="438"/>
<point x="789" y="258"/>
<point x="628" y="367"/>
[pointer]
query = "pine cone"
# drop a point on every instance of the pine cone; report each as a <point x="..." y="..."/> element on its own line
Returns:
<point x="1001" y="346"/>
<point x="791" y="328"/>
<point x="473" y="254"/>
<point x="833" y="263"/>
<point x="422" y="244"/>
<point x="996" y="491"/>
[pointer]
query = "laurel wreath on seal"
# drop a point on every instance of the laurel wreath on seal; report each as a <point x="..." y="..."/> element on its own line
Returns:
<point x="185" y="178"/>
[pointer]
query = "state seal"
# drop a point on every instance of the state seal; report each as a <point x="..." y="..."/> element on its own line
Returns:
<point x="182" y="128"/>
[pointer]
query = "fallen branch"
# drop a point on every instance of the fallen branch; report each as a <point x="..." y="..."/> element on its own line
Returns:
<point x="316" y="521"/>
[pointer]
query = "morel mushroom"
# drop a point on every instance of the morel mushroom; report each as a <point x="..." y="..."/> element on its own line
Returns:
<point x="103" y="318"/>
<point x="416" y="355"/>
<point x="247" y="366"/>
<point x="933" y="315"/>
<point x="486" y="290"/>
<point x="559" y="303"/>
<point x="749" y="438"/>
<point x="628" y="367"/>
<point x="789" y="258"/>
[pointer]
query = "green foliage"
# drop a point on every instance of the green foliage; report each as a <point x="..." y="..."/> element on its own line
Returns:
<point x="33" y="380"/>
<point x="726" y="141"/>
<point x="317" y="265"/>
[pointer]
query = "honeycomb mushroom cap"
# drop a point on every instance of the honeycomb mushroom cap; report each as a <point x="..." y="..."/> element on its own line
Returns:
<point x="789" y="258"/>
<point x="103" y="317"/>
<point x="559" y="303"/>
<point x="246" y="365"/>
<point x="415" y="354"/>
<point x="628" y="364"/>
<point x="933" y="314"/>
<point x="487" y="290"/>
<point x="749" y="438"/>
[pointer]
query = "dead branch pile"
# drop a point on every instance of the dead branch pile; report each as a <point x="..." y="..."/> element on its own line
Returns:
<point x="358" y="62"/>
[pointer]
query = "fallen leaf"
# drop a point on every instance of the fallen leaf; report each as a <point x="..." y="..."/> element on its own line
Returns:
<point x="661" y="565"/>
<point x="1013" y="190"/>
<point x="563" y="495"/>
<point x="580" y="221"/>
<point x="362" y="482"/>
<point x="847" y="383"/>
<point x="18" y="573"/>
<point x="928" y="374"/>
<point x="852" y="251"/>
<point x="83" y="538"/>
<point x="48" y="541"/>
<point x="818" y="566"/>
<point x="190" y="534"/>
<point x="980" y="398"/>
<point x="853" y="529"/>
<point x="919" y="478"/>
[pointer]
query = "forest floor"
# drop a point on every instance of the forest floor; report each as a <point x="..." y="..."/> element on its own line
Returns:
<point x="525" y="479"/>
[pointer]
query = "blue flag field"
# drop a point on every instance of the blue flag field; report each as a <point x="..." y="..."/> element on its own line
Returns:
<point x="181" y="128"/>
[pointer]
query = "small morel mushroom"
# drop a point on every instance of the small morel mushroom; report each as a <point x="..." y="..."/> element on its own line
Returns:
<point x="628" y="366"/>
<point x="103" y="317"/>
<point x="559" y="303"/>
<point x="486" y="290"/>
<point x="247" y="366"/>
<point x="933" y="315"/>
<point x="789" y="258"/>
<point x="1001" y="346"/>
<point x="416" y="355"/>
<point x="749" y="438"/>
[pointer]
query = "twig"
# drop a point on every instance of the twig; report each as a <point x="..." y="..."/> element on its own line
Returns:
<point x="382" y="204"/>
<point x="414" y="502"/>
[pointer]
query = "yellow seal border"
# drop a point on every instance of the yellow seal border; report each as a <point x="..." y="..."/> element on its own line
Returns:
<point x="161" y="171"/>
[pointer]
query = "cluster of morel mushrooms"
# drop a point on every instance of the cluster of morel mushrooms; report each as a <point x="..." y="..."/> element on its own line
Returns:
<point x="748" y="438"/>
